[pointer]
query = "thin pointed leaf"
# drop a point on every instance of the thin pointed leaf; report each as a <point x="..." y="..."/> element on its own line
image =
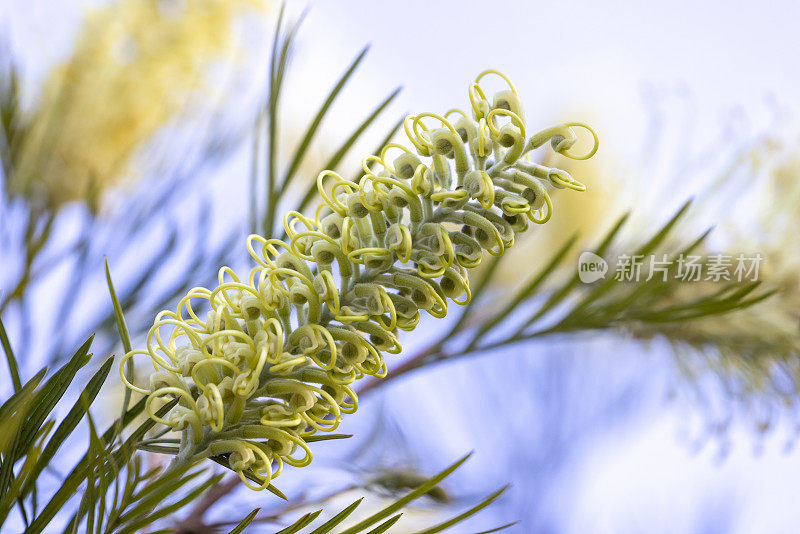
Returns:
<point x="498" y="529"/>
<point x="301" y="523"/>
<point x="10" y="429"/>
<point x="657" y="239"/>
<point x="79" y="473"/>
<point x="161" y="449"/>
<point x="559" y="295"/>
<point x="401" y="502"/>
<point x="461" y="517"/>
<point x="314" y="126"/>
<point x="276" y="66"/>
<point x="338" y="518"/>
<point x="238" y="529"/>
<point x="326" y="437"/>
<point x="337" y="157"/>
<point x="172" y="508"/>
<point x="277" y="70"/>
<point x="14" y="412"/>
<point x="124" y="336"/>
<point x="583" y="307"/>
<point x="383" y="527"/>
<point x="526" y="291"/>
<point x="71" y="421"/>
<point x="311" y="192"/>
<point x="161" y="488"/>
<point x="22" y="397"/>
<point x="122" y="327"/>
<point x="43" y="403"/>
<point x="102" y="454"/>
<point x="13" y="368"/>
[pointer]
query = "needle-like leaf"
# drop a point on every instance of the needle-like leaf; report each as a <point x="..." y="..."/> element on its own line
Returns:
<point x="42" y="404"/>
<point x="461" y="517"/>
<point x="401" y="502"/>
<point x="301" y="523"/>
<point x="238" y="529"/>
<point x="70" y="422"/>
<point x="338" y="518"/>
<point x="13" y="368"/>
<point x="315" y="123"/>
<point x="337" y="157"/>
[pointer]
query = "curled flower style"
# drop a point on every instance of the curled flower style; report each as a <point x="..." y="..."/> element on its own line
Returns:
<point x="275" y="359"/>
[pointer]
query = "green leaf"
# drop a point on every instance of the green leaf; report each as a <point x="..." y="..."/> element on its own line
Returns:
<point x="498" y="529"/>
<point x="19" y="402"/>
<point x="174" y="507"/>
<point x="70" y="422"/>
<point x="238" y="529"/>
<point x="383" y="527"/>
<point x="95" y="494"/>
<point x="338" y="518"/>
<point x="304" y="521"/>
<point x="122" y="327"/>
<point x="525" y="293"/>
<point x="601" y="289"/>
<point x="461" y="517"/>
<point x="161" y="449"/>
<point x="559" y="295"/>
<point x="326" y="437"/>
<point x="79" y="473"/>
<point x="124" y="335"/>
<point x="401" y="502"/>
<point x="337" y="157"/>
<point x="315" y="123"/>
<point x="122" y="455"/>
<point x="657" y="239"/>
<point x="278" y="66"/>
<point x="161" y="488"/>
<point x="12" y="495"/>
<point x="43" y="403"/>
<point x="13" y="368"/>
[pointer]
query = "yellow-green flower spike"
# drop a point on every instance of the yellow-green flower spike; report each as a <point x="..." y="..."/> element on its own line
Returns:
<point x="274" y="360"/>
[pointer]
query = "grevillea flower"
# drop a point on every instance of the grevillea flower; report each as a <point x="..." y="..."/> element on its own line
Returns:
<point x="275" y="359"/>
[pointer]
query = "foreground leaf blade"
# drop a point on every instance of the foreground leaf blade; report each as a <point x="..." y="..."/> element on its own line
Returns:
<point x="13" y="368"/>
<point x="401" y="502"/>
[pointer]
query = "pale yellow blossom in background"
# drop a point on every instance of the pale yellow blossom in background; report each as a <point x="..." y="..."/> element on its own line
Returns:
<point x="756" y="350"/>
<point x="135" y="65"/>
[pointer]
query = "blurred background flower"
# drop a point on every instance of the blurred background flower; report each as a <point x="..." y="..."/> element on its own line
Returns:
<point x="136" y="67"/>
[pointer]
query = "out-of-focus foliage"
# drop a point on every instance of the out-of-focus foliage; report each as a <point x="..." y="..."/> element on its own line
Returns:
<point x="755" y="353"/>
<point x="138" y="70"/>
<point x="135" y="66"/>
